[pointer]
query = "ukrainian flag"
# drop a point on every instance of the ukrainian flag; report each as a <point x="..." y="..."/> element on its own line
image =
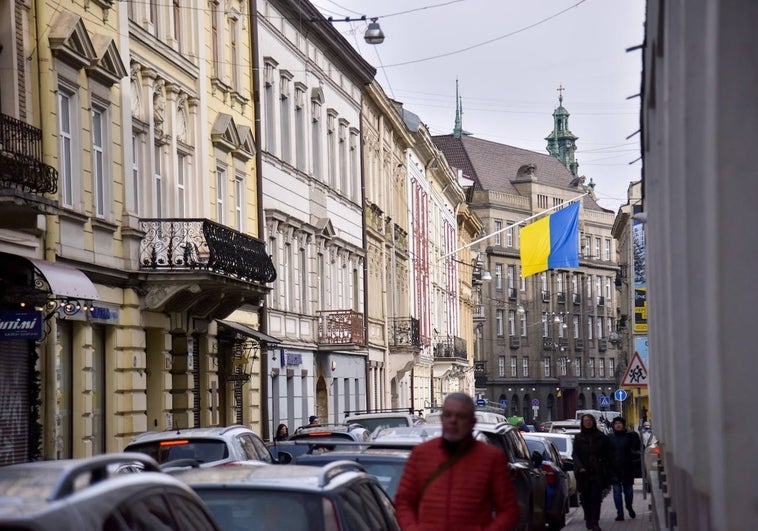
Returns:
<point x="551" y="242"/>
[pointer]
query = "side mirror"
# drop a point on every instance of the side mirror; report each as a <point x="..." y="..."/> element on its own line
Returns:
<point x="537" y="459"/>
<point x="284" y="458"/>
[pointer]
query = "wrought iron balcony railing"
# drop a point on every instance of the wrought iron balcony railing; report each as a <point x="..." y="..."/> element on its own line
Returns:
<point x="451" y="347"/>
<point x="404" y="332"/>
<point x="602" y="345"/>
<point x="21" y="163"/>
<point x="479" y="314"/>
<point x="202" y="244"/>
<point x="515" y="342"/>
<point x="340" y="327"/>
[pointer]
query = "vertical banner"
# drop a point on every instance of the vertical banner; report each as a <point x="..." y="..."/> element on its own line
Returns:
<point x="640" y="276"/>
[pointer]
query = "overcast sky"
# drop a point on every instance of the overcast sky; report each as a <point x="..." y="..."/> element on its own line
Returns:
<point x="509" y="58"/>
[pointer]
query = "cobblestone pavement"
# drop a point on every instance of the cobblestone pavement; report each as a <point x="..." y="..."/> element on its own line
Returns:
<point x="575" y="518"/>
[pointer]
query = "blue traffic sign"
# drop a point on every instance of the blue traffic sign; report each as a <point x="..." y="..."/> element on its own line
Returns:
<point x="535" y="402"/>
<point x="619" y="395"/>
<point x="503" y="403"/>
<point x="481" y="402"/>
<point x="605" y="401"/>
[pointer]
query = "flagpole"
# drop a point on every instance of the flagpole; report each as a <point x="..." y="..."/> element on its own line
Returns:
<point x="538" y="214"/>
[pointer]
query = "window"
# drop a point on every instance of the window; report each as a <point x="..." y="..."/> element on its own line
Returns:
<point x="589" y="287"/>
<point x="343" y="162"/>
<point x="355" y="164"/>
<point x="607" y="251"/>
<point x="509" y="235"/>
<point x="67" y="112"/>
<point x="587" y="248"/>
<point x="598" y="285"/>
<point x="303" y="281"/>
<point x="514" y="366"/>
<point x="511" y="323"/>
<point x="286" y="277"/>
<point x="541" y="201"/>
<point x="598" y="243"/>
<point x="559" y="282"/>
<point x="608" y="324"/>
<point x="300" y="129"/>
<point x="177" y="14"/>
<point x="321" y="282"/>
<point x="578" y="366"/>
<point x="525" y="366"/>
<point x="269" y="102"/>
<point x="522" y="280"/>
<point x="577" y="331"/>
<point x="316" y="139"/>
<point x="601" y="367"/>
<point x="543" y="281"/>
<point x="522" y="319"/>
<point x="158" y="183"/>
<point x="498" y="276"/>
<point x="501" y="366"/>
<point x="181" y="192"/>
<point x="600" y="331"/>
<point x="499" y="323"/>
<point x="217" y="50"/>
<point x="220" y="193"/>
<point x="239" y="203"/>
<point x="608" y="291"/>
<point x="591" y="367"/>
<point x="590" y="327"/>
<point x="545" y="325"/>
<point x="331" y="148"/>
<point x="611" y="366"/>
<point x="285" y="128"/>
<point x="236" y="51"/>
<point x="99" y="164"/>
<point x="496" y="230"/>
<point x="511" y="276"/>
<point x="136" y="164"/>
<point x="563" y="365"/>
<point x="546" y="366"/>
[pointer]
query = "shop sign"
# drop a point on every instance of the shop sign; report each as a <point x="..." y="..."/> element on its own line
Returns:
<point x="25" y="324"/>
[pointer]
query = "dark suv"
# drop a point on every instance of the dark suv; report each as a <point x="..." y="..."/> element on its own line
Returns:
<point x="205" y="446"/>
<point x="92" y="494"/>
<point x="259" y="497"/>
<point x="525" y="471"/>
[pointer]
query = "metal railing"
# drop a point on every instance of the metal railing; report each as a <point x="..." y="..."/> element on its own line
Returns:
<point x="404" y="332"/>
<point x="340" y="327"/>
<point x="21" y="163"/>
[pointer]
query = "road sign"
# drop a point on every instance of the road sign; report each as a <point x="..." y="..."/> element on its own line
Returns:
<point x="605" y="401"/>
<point x="619" y="395"/>
<point x="481" y="402"/>
<point x="535" y="402"/>
<point x="636" y="373"/>
<point x="503" y="403"/>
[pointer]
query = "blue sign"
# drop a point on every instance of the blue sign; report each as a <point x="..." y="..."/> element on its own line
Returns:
<point x="481" y="402"/>
<point x="535" y="402"/>
<point x="24" y="324"/>
<point x="503" y="403"/>
<point x="619" y="395"/>
<point x="605" y="401"/>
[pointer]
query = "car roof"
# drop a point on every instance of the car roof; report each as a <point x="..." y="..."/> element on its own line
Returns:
<point x="274" y="477"/>
<point x="407" y="435"/>
<point x="369" y="453"/>
<point x="212" y="432"/>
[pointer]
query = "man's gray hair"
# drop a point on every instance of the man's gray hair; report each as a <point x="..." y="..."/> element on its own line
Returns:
<point x="461" y="397"/>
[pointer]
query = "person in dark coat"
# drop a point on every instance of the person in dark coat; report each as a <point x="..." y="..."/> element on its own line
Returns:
<point x="282" y="433"/>
<point x="625" y="446"/>
<point x="593" y="461"/>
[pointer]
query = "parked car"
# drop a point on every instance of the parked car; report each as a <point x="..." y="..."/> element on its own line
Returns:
<point x="259" y="497"/>
<point x="485" y="417"/>
<point x="205" y="446"/>
<point x="405" y="436"/>
<point x="385" y="464"/>
<point x="570" y="426"/>
<point x="525" y="471"/>
<point x="383" y="419"/>
<point x="96" y="493"/>
<point x="564" y="442"/>
<point x="557" y="481"/>
<point x="320" y="437"/>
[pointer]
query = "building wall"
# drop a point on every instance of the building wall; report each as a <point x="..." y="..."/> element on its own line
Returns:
<point x="697" y="116"/>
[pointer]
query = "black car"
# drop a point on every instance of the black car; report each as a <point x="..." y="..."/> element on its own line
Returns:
<point x="261" y="497"/>
<point x="98" y="493"/>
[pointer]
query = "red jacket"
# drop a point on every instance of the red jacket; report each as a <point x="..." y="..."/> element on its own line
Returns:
<point x="464" y="497"/>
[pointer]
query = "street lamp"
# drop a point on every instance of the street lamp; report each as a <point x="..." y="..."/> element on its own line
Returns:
<point x="374" y="33"/>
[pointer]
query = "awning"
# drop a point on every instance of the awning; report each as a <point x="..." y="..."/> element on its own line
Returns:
<point x="64" y="281"/>
<point x="250" y="332"/>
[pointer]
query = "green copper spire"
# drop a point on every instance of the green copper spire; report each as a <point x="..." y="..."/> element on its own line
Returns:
<point x="458" y="129"/>
<point x="561" y="143"/>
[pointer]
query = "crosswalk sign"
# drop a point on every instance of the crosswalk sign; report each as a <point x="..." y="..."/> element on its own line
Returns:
<point x="636" y="373"/>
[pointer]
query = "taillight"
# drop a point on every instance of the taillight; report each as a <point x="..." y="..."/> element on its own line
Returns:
<point x="550" y="474"/>
<point x="176" y="442"/>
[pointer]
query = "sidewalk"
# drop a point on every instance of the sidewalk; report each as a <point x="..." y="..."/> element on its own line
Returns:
<point x="575" y="518"/>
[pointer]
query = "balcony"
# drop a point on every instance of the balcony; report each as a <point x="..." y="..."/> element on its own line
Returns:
<point x="512" y="293"/>
<point x="563" y="343"/>
<point x="201" y="266"/>
<point x="578" y="344"/>
<point x="404" y="332"/>
<point x="341" y="328"/>
<point x="602" y="345"/>
<point x="561" y="297"/>
<point x="451" y="347"/>
<point x="547" y="344"/>
<point x="576" y="298"/>
<point x="601" y="301"/>
<point x="24" y="178"/>
<point x="545" y="295"/>
<point x="374" y="218"/>
<point x="478" y="313"/>
<point x="514" y="342"/>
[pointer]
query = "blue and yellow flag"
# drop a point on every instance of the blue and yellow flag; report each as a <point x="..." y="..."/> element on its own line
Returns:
<point x="551" y="242"/>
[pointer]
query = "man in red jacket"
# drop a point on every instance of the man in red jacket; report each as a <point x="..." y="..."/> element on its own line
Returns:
<point x="455" y="482"/>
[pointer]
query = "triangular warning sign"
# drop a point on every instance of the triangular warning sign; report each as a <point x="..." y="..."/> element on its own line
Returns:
<point x="636" y="373"/>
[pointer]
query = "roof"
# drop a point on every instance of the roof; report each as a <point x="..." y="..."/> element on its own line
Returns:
<point x="188" y="432"/>
<point x="493" y="166"/>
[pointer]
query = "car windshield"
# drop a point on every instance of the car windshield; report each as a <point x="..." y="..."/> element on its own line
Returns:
<point x="386" y="473"/>
<point x="202" y="450"/>
<point x="263" y="510"/>
<point x="381" y="422"/>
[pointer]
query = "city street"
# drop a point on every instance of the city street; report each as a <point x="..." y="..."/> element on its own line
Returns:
<point x="575" y="519"/>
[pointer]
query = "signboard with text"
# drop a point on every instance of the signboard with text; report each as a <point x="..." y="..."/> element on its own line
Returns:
<point x="25" y="324"/>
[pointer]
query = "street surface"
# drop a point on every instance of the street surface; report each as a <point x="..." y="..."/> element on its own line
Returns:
<point x="575" y="518"/>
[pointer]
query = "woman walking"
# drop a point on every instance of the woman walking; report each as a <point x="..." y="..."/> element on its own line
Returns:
<point x="593" y="459"/>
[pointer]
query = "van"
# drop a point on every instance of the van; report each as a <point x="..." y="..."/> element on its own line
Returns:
<point x="606" y="417"/>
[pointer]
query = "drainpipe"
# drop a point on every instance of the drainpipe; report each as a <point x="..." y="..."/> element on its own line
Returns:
<point x="263" y="311"/>
<point x="369" y="405"/>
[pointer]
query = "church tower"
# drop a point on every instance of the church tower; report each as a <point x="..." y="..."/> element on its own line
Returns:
<point x="561" y="143"/>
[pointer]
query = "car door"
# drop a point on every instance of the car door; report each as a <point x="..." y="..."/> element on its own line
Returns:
<point x="535" y="477"/>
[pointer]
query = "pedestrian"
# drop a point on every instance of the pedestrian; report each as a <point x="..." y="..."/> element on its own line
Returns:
<point x="643" y="414"/>
<point x="625" y="446"/>
<point x="593" y="460"/>
<point x="454" y="482"/>
<point x="313" y="420"/>
<point x="282" y="433"/>
<point x="647" y="434"/>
